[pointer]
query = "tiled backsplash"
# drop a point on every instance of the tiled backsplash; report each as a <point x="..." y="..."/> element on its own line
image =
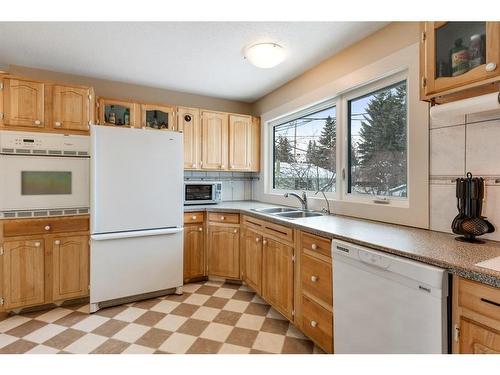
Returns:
<point x="236" y="186"/>
<point x="464" y="144"/>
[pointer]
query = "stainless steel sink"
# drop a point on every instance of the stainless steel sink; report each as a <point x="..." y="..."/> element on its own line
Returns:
<point x="274" y="210"/>
<point x="298" y="214"/>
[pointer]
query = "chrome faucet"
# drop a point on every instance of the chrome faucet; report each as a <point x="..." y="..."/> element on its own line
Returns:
<point x="303" y="199"/>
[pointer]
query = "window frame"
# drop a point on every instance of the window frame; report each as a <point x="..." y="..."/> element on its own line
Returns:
<point x="302" y="112"/>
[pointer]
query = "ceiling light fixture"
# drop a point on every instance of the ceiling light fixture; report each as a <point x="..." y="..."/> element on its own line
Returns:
<point x="265" y="55"/>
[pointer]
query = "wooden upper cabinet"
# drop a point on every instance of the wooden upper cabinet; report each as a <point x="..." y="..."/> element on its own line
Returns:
<point x="155" y="116"/>
<point x="70" y="267"/>
<point x="23" y="103"/>
<point x="244" y="142"/>
<point x="252" y="269"/>
<point x="194" y="251"/>
<point x="23" y="273"/>
<point x="71" y="108"/>
<point x="457" y="56"/>
<point x="118" y="113"/>
<point x="277" y="276"/>
<point x="214" y="140"/>
<point x="223" y="251"/>
<point x="188" y="122"/>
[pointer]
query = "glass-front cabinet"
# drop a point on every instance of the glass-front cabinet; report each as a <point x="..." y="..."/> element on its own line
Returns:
<point x="117" y="113"/>
<point x="458" y="54"/>
<point x="157" y="117"/>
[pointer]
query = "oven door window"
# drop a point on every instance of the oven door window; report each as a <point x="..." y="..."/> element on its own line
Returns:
<point x="198" y="192"/>
<point x="45" y="182"/>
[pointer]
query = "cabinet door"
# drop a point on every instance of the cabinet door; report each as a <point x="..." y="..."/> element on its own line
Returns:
<point x="223" y="251"/>
<point x="478" y="339"/>
<point x="157" y="117"/>
<point x="214" y="140"/>
<point x="252" y="272"/>
<point x="23" y="273"/>
<point x="277" y="276"/>
<point x="194" y="251"/>
<point x="459" y="53"/>
<point x="117" y="113"/>
<point x="240" y="142"/>
<point x="70" y="259"/>
<point x="188" y="122"/>
<point x="23" y="103"/>
<point x="71" y="108"/>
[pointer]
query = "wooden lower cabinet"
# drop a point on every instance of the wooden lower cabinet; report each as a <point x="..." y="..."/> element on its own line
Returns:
<point x="224" y="251"/>
<point x="478" y="339"/>
<point x="23" y="263"/>
<point x="70" y="266"/>
<point x="317" y="323"/>
<point x="252" y="262"/>
<point x="277" y="275"/>
<point x="194" y="251"/>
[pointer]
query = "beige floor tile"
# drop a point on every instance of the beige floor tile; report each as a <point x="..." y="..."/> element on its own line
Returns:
<point x="275" y="315"/>
<point x="42" y="349"/>
<point x="269" y="342"/>
<point x="233" y="349"/>
<point x="138" y="349"/>
<point x="84" y="309"/>
<point x="178" y="343"/>
<point x="205" y="313"/>
<point x="7" y="339"/>
<point x="236" y="306"/>
<point x="131" y="333"/>
<point x="130" y="314"/>
<point x="45" y="333"/>
<point x="250" y="321"/>
<point x="165" y="306"/>
<point x="294" y="332"/>
<point x="85" y="344"/>
<point x="90" y="323"/>
<point x="12" y="322"/>
<point x="257" y="299"/>
<point x="217" y="332"/>
<point x="215" y="283"/>
<point x="53" y="315"/>
<point x="197" y="299"/>
<point x="191" y="288"/>
<point x="171" y="322"/>
<point x="224" y="293"/>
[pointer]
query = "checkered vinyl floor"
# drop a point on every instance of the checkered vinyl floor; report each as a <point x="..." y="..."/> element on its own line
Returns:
<point x="210" y="317"/>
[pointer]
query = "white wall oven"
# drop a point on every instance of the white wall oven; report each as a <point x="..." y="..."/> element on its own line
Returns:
<point x="202" y="192"/>
<point x="43" y="174"/>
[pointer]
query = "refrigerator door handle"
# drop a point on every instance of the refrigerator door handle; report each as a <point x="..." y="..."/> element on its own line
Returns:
<point x="135" y="233"/>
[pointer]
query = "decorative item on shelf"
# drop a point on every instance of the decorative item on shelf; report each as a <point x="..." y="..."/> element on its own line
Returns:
<point x="459" y="58"/>
<point x="443" y="69"/>
<point x="469" y="222"/>
<point x="477" y="50"/>
<point x="111" y="116"/>
<point x="126" y="117"/>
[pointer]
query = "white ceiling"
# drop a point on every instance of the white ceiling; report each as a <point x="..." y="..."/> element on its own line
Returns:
<point x="196" y="57"/>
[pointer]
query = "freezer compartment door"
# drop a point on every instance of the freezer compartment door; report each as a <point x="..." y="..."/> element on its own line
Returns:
<point x="127" y="266"/>
<point x="136" y="179"/>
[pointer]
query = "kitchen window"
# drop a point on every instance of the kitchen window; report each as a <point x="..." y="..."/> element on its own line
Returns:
<point x="377" y="143"/>
<point x="304" y="150"/>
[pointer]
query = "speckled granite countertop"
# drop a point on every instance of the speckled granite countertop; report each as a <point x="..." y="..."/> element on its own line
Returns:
<point x="436" y="248"/>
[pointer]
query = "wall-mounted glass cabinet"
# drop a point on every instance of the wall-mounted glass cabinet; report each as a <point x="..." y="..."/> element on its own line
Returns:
<point x="117" y="113"/>
<point x="458" y="54"/>
<point x="157" y="117"/>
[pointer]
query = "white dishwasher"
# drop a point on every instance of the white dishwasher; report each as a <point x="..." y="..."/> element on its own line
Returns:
<point x="387" y="304"/>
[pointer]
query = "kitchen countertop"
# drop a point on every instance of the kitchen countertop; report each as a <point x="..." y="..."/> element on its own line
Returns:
<point x="435" y="248"/>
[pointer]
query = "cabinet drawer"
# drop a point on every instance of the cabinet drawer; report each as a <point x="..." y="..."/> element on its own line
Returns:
<point x="479" y="298"/>
<point x="278" y="231"/>
<point x="223" y="217"/>
<point x="316" y="277"/>
<point x="251" y="222"/>
<point x="317" y="323"/>
<point x="27" y="227"/>
<point x="317" y="244"/>
<point x="193" y="217"/>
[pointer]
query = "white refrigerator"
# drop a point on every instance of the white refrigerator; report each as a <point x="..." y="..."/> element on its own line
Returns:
<point x="136" y="213"/>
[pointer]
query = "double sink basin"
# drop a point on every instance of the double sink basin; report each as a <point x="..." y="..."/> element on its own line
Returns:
<point x="287" y="212"/>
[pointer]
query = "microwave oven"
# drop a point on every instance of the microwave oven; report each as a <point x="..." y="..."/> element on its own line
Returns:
<point x="202" y="192"/>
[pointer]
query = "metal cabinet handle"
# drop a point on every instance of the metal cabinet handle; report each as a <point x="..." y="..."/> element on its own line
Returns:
<point x="47" y="227"/>
<point x="57" y="242"/>
<point x="57" y="124"/>
<point x="314" y="246"/>
<point x="314" y="323"/>
<point x="490" y="67"/>
<point x="200" y="229"/>
<point x="37" y="122"/>
<point x="314" y="278"/>
<point x="37" y="244"/>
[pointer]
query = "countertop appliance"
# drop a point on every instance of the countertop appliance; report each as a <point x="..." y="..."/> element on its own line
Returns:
<point x="43" y="174"/>
<point x="387" y="304"/>
<point x="202" y="192"/>
<point x="136" y="213"/>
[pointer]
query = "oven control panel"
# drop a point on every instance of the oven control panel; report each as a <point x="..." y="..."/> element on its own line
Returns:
<point x="43" y="144"/>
